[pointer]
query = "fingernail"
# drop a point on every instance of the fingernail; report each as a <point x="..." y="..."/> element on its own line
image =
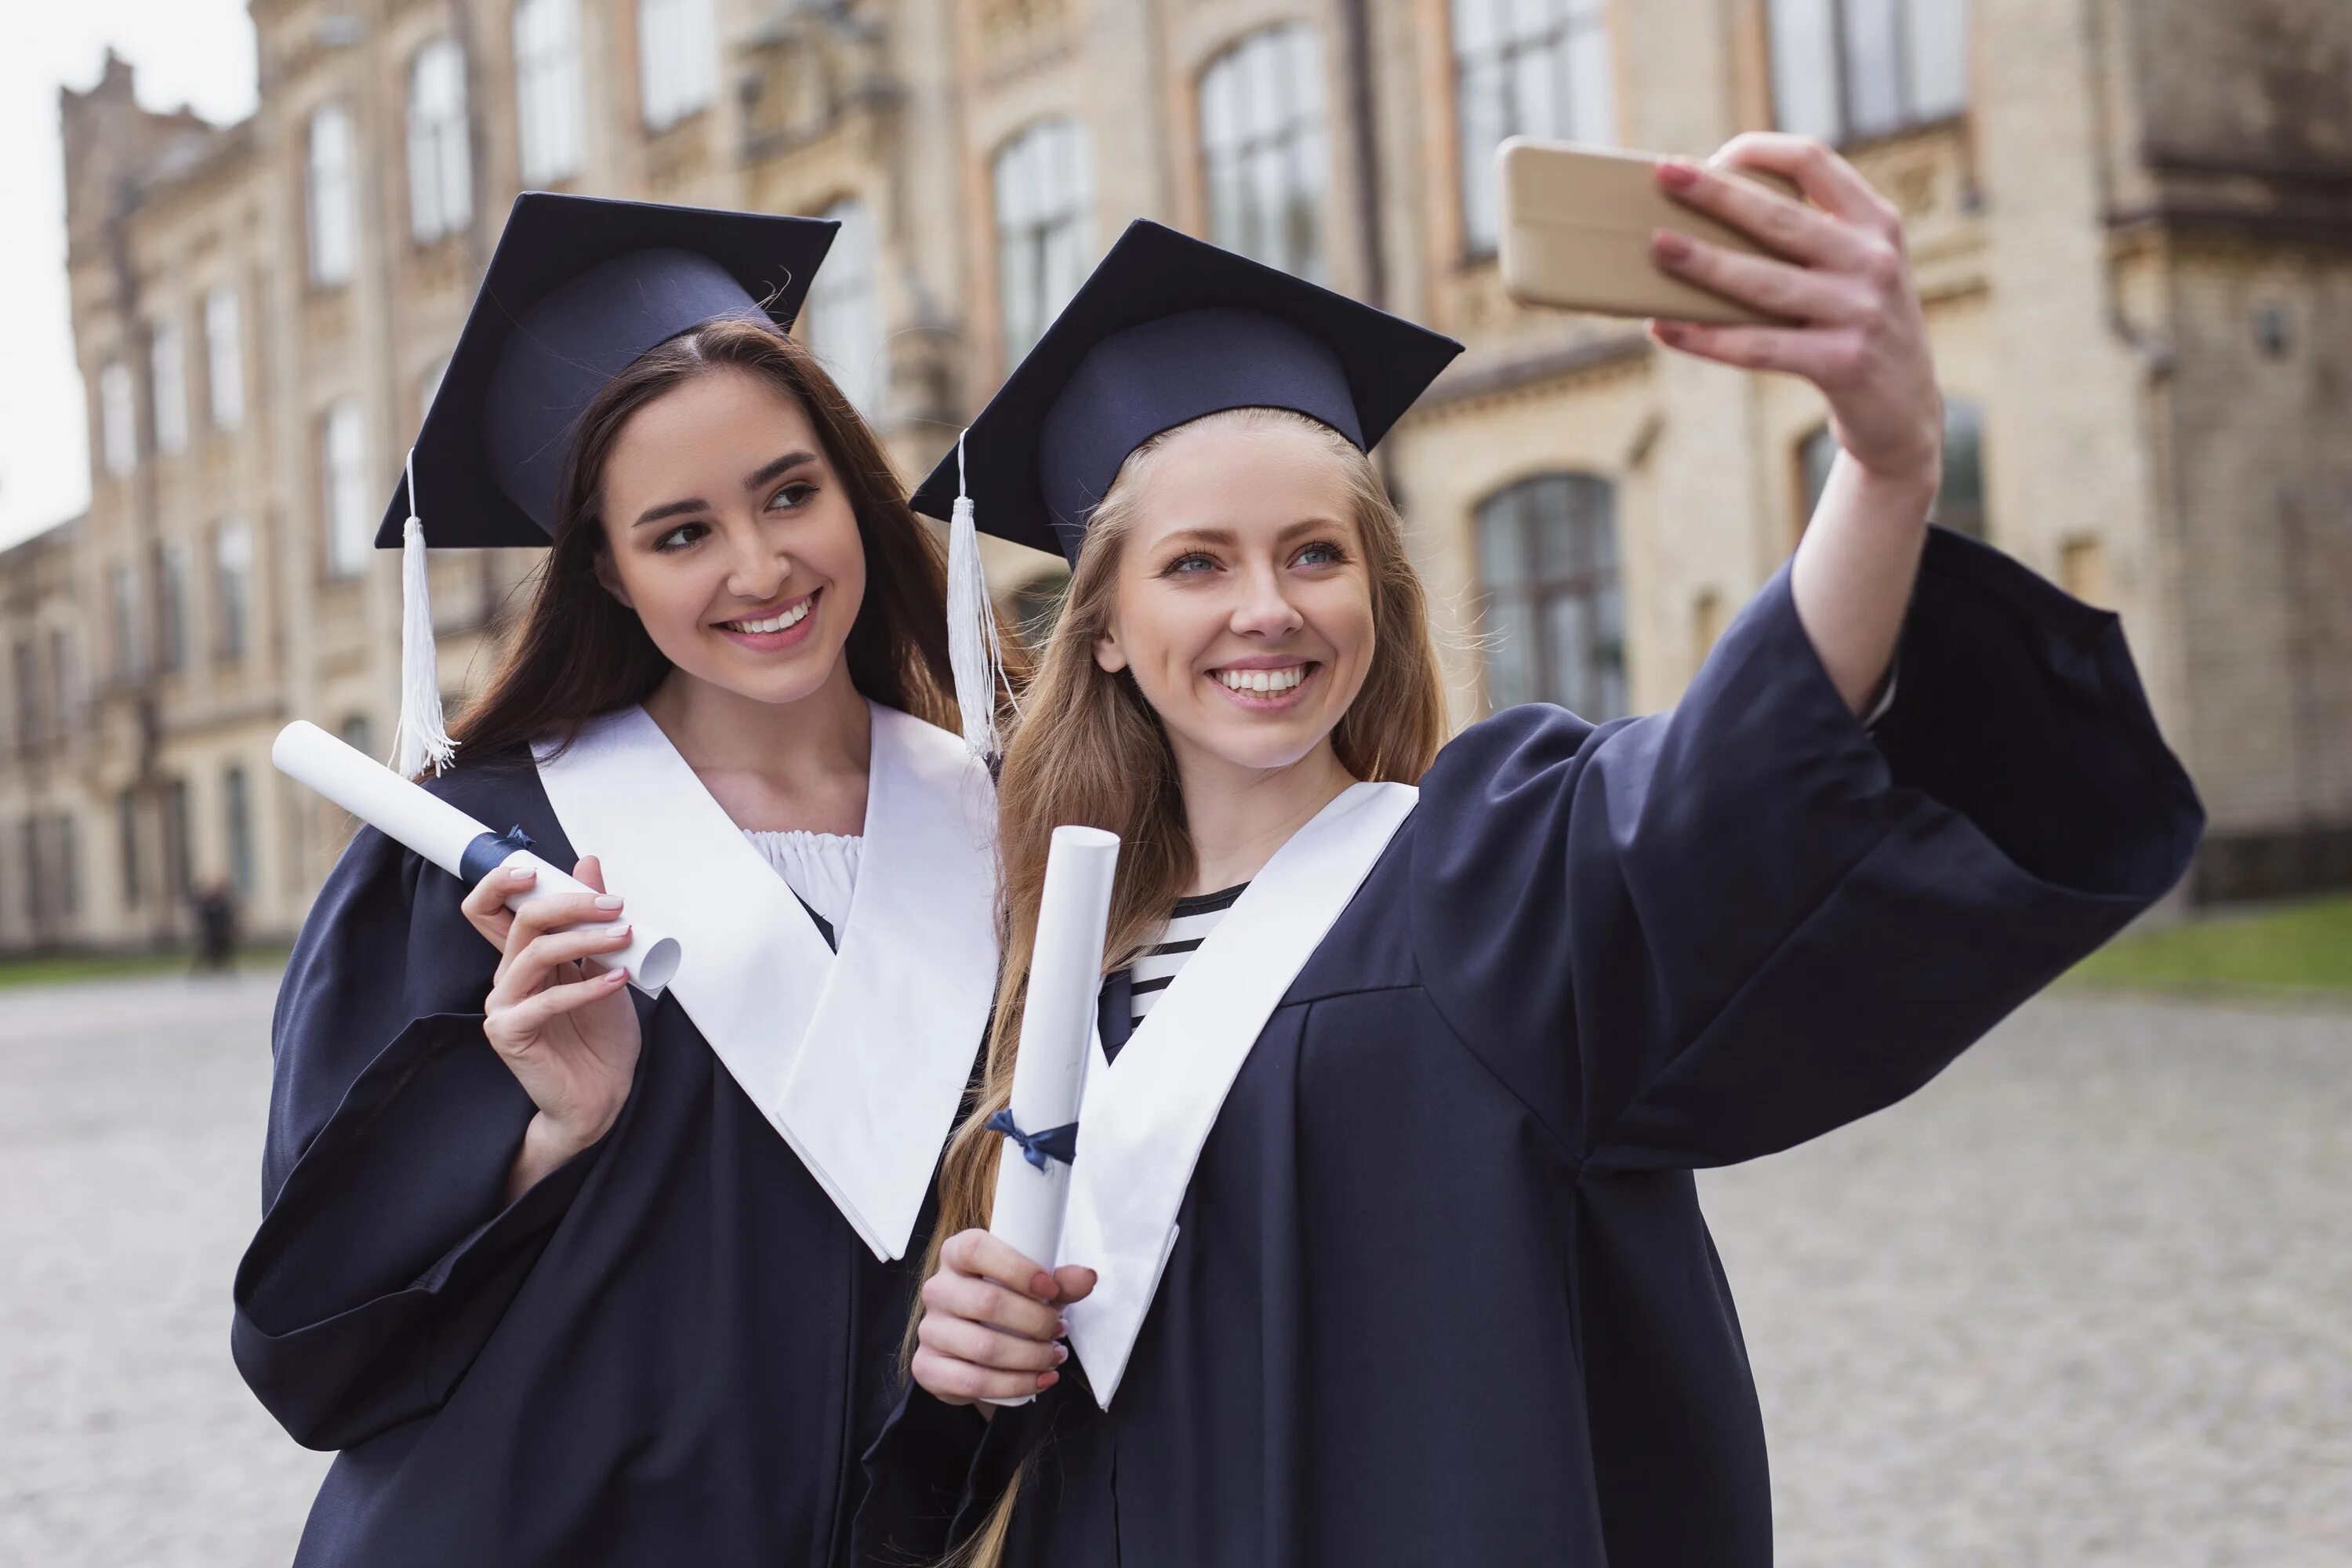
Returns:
<point x="519" y="873"/>
<point x="1061" y="1354"/>
<point x="616" y="976"/>
<point x="607" y="901"/>
<point x="1048" y="1379"/>
<point x="618" y="933"/>
<point x="1668" y="246"/>
<point x="1678" y="172"/>
<point x="1668" y="331"/>
<point x="1061" y="1328"/>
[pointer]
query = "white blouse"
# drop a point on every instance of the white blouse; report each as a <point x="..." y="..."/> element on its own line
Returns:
<point x="821" y="868"/>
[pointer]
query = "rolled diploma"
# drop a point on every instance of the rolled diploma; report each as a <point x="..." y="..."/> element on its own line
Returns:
<point x="442" y="834"/>
<point x="1057" y="1030"/>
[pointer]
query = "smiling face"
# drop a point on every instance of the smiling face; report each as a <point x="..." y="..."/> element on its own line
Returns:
<point x="1242" y="607"/>
<point x="727" y="531"/>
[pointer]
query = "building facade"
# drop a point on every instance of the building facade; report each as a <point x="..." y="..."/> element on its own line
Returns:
<point x="2132" y="225"/>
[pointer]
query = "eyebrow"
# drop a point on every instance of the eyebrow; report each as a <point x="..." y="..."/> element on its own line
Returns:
<point x="774" y="470"/>
<point x="1227" y="535"/>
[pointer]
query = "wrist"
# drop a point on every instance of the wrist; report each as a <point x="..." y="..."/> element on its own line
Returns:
<point x="547" y="1145"/>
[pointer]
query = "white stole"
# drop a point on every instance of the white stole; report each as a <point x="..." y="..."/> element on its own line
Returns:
<point x="859" y="1058"/>
<point x="1143" y="1120"/>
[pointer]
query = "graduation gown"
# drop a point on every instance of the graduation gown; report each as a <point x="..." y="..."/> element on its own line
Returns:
<point x="674" y="1348"/>
<point x="1425" y="1278"/>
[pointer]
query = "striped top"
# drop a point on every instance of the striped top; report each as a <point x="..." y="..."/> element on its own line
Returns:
<point x="1189" y="925"/>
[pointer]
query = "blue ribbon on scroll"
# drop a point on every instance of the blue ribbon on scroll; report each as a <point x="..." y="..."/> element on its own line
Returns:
<point x="488" y="852"/>
<point x="1053" y="1143"/>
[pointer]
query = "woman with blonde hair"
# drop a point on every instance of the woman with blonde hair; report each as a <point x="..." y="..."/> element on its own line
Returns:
<point x="1383" y="1245"/>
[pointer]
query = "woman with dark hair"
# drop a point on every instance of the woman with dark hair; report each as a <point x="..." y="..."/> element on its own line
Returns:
<point x="1382" y="1245"/>
<point x="571" y="1275"/>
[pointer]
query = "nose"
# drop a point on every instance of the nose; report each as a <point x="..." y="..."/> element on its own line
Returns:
<point x="756" y="569"/>
<point x="1265" y="611"/>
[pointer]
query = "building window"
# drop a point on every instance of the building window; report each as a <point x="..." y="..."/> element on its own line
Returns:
<point x="359" y="734"/>
<point x="225" y="358"/>
<point x="1264" y="148"/>
<point x="1525" y="67"/>
<point x="179" y="854"/>
<point x="1848" y="68"/>
<point x="1959" y="499"/>
<point x="28" y="696"/>
<point x="427" y="386"/>
<point x="167" y="383"/>
<point x="126" y="828"/>
<point x="1045" y="195"/>
<point x="333" y="214"/>
<point x="678" y="59"/>
<point x="232" y="578"/>
<point x="65" y="697"/>
<point x="342" y="465"/>
<point x="28" y="839"/>
<point x="440" y="165"/>
<point x="1555" y="615"/>
<point x="550" y="91"/>
<point x="171" y="641"/>
<point x="843" y="319"/>
<point x="118" y="417"/>
<point x="236" y="814"/>
<point x="122" y="597"/>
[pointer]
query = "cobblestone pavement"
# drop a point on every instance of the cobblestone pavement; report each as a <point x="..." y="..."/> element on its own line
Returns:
<point x="2086" y="1301"/>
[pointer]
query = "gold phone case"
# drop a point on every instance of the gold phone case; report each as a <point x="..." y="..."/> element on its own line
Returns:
<point x="1576" y="223"/>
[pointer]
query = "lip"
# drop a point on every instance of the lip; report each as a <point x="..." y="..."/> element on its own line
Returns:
<point x="791" y="636"/>
<point x="1267" y="701"/>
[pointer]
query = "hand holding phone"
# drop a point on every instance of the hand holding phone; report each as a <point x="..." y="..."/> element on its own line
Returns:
<point x="1576" y="223"/>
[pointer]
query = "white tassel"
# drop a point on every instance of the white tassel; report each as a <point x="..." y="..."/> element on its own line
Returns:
<point x="974" y="652"/>
<point x="422" y="738"/>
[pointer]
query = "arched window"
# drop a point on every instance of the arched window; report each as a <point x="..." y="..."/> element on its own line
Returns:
<point x="1554" y="613"/>
<point x="1525" y="67"/>
<point x="550" y="94"/>
<point x="1044" y="180"/>
<point x="1959" y="499"/>
<point x="843" y="318"/>
<point x="346" y="490"/>
<point x="440" y="162"/>
<point x="1846" y="69"/>
<point x="1265" y="149"/>
<point x="333" y="214"/>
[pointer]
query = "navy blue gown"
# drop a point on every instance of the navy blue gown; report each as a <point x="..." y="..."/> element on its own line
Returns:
<point x="670" y="1350"/>
<point x="1442" y="1292"/>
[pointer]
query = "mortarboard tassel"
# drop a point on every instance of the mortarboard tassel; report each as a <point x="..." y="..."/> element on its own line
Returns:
<point x="422" y="738"/>
<point x="974" y="653"/>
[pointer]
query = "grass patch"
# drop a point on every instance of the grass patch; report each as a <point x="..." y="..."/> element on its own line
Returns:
<point x="65" y="968"/>
<point x="2301" y="947"/>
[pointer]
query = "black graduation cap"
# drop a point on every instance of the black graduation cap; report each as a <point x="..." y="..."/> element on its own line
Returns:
<point x="578" y="288"/>
<point x="1167" y="329"/>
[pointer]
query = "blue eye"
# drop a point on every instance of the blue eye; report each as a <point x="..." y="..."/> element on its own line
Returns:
<point x="1189" y="564"/>
<point x="1320" y="553"/>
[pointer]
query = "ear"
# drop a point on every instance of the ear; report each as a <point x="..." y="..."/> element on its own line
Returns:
<point x="610" y="580"/>
<point x="1109" y="657"/>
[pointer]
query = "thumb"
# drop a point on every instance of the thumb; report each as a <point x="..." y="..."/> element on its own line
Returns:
<point x="1073" y="1283"/>
<point x="591" y="872"/>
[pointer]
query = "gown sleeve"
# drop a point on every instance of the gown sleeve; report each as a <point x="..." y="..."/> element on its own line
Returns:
<point x="386" y="1255"/>
<point x="1708" y="934"/>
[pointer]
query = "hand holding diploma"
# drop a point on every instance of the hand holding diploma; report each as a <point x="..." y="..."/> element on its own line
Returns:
<point x="565" y="1029"/>
<point x="991" y="1316"/>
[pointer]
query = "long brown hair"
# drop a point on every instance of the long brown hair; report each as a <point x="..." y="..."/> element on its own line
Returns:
<point x="1090" y="750"/>
<point x="580" y="652"/>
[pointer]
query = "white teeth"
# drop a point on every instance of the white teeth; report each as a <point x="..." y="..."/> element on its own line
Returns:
<point x="791" y="618"/>
<point x="1268" y="680"/>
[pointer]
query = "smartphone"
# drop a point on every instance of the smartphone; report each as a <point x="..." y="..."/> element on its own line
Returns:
<point x="1576" y="223"/>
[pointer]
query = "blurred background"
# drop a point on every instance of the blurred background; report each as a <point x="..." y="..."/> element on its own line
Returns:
<point x="2083" y="1300"/>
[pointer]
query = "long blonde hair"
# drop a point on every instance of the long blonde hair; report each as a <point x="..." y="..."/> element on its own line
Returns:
<point x="1090" y="750"/>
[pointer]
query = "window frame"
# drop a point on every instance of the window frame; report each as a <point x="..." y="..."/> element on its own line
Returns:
<point x="350" y="534"/>
<point x="223" y="316"/>
<point x="440" y="143"/>
<point x="1575" y="23"/>
<point x="1298" y="145"/>
<point x="330" y="198"/>
<point x="675" y="38"/>
<point x="1534" y="591"/>
<point x="1845" y="128"/>
<point x="551" y="91"/>
<point x="841" y="321"/>
<point x="1058" y="239"/>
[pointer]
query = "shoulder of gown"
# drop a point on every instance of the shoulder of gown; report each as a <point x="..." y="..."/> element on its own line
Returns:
<point x="1702" y="935"/>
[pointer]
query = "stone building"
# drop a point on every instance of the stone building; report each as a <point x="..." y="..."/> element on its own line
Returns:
<point x="2131" y="223"/>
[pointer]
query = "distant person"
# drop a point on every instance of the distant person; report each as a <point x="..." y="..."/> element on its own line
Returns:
<point x="216" y="907"/>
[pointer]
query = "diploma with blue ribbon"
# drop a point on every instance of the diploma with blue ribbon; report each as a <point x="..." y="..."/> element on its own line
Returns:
<point x="1057" y="1023"/>
<point x="422" y="821"/>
